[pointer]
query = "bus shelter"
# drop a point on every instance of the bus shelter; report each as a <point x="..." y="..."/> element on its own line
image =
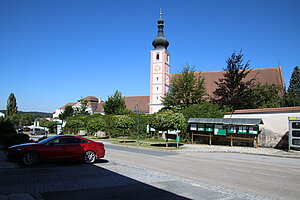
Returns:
<point x="229" y="128"/>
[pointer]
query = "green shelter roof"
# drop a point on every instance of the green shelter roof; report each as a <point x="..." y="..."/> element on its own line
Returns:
<point x="227" y="121"/>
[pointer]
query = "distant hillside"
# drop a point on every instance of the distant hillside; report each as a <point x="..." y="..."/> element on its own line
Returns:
<point x="35" y="114"/>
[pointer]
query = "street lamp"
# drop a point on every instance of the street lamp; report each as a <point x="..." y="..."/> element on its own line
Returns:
<point x="137" y="110"/>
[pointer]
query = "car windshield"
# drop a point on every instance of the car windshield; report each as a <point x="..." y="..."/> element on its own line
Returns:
<point x="46" y="140"/>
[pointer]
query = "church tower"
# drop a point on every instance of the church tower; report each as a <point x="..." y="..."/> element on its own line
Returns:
<point x="159" y="68"/>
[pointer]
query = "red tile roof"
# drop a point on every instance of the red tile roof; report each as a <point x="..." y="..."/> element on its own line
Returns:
<point x="268" y="110"/>
<point x="97" y="107"/>
<point x="264" y="76"/>
<point x="68" y="104"/>
<point x="142" y="102"/>
<point x="90" y="98"/>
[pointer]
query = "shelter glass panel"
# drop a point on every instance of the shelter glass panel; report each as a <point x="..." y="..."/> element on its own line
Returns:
<point x="193" y="127"/>
<point x="296" y="125"/>
<point x="242" y="129"/>
<point x="200" y="127"/>
<point x="220" y="130"/>
<point x="209" y="128"/>
<point x="253" y="130"/>
<point x="231" y="129"/>
<point x="296" y="133"/>
<point x="296" y="141"/>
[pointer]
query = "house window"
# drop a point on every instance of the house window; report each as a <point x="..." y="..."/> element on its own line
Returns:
<point x="157" y="56"/>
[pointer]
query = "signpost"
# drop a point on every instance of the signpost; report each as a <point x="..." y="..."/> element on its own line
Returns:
<point x="177" y="140"/>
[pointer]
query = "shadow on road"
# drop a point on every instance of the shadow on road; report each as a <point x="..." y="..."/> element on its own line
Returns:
<point x="107" y="184"/>
<point x="77" y="181"/>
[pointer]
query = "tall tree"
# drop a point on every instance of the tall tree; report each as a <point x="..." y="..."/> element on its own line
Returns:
<point x="232" y="90"/>
<point x="26" y="119"/>
<point x="185" y="89"/>
<point x="115" y="104"/>
<point x="11" y="107"/>
<point x="82" y="109"/>
<point x="266" y="96"/>
<point x="293" y="92"/>
<point x="68" y="111"/>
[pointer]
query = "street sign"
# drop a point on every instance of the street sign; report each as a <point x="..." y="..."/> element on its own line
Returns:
<point x="178" y="139"/>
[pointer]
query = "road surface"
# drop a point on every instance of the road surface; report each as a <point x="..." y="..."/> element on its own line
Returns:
<point x="136" y="173"/>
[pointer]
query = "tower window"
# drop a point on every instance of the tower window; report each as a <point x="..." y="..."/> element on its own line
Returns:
<point x="157" y="88"/>
<point x="157" y="78"/>
<point x="157" y="56"/>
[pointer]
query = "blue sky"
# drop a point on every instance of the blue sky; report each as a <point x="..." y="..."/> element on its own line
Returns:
<point x="56" y="51"/>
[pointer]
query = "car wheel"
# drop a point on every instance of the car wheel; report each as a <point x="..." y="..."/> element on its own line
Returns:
<point x="89" y="157"/>
<point x="30" y="158"/>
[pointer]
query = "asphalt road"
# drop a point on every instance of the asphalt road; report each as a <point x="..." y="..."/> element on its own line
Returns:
<point x="136" y="173"/>
<point x="272" y="177"/>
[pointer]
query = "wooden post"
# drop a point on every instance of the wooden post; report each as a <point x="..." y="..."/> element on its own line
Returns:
<point x="192" y="137"/>
<point x="231" y="142"/>
<point x="210" y="139"/>
<point x="256" y="142"/>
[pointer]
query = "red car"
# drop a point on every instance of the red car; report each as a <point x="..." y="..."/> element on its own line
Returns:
<point x="58" y="147"/>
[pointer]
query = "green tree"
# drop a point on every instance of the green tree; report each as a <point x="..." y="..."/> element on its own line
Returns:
<point x="232" y="91"/>
<point x="204" y="110"/>
<point x="82" y="109"/>
<point x="292" y="98"/>
<point x="265" y="96"/>
<point x="122" y="125"/>
<point x="95" y="125"/>
<point x="6" y="128"/>
<point x="115" y="105"/>
<point x="185" y="89"/>
<point x="14" y="119"/>
<point x="168" y="120"/>
<point x="11" y="107"/>
<point x="74" y="125"/>
<point x="68" y="112"/>
<point x="51" y="125"/>
<point x="26" y="119"/>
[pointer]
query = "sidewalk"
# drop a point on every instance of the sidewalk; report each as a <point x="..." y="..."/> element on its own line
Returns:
<point x="202" y="148"/>
<point x="244" y="150"/>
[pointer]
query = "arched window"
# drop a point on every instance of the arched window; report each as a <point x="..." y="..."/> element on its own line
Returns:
<point x="157" y="56"/>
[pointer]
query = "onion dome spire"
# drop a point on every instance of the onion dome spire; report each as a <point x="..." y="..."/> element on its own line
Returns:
<point x="160" y="42"/>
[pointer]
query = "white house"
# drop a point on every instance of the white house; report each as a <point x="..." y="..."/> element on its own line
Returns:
<point x="274" y="132"/>
<point x="94" y="105"/>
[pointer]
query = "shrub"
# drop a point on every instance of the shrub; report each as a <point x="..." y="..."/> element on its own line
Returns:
<point x="95" y="125"/>
<point x="121" y="125"/>
<point x="204" y="110"/>
<point x="74" y="125"/>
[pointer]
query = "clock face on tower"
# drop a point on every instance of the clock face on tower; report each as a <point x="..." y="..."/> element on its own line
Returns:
<point x="157" y="68"/>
